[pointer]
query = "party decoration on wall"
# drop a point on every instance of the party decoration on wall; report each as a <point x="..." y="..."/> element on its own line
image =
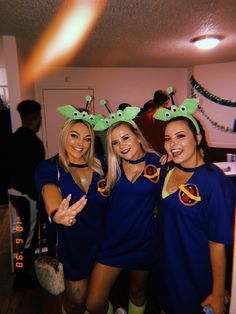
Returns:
<point x="210" y="96"/>
<point x="219" y="127"/>
<point x="127" y="115"/>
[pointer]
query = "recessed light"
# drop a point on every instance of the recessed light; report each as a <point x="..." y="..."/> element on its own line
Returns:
<point x="206" y="41"/>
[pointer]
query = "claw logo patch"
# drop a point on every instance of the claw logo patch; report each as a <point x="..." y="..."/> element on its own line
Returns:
<point x="189" y="194"/>
<point x="101" y="187"/>
<point x="152" y="173"/>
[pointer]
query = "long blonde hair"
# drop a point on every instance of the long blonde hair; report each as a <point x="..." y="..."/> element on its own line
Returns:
<point x="114" y="170"/>
<point x="89" y="157"/>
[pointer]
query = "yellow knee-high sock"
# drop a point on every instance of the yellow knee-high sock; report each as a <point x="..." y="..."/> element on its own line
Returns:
<point x="109" y="311"/>
<point x="134" y="309"/>
<point x="110" y="308"/>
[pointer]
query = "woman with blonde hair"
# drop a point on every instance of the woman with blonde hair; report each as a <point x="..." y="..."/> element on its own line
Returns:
<point x="63" y="182"/>
<point x="132" y="180"/>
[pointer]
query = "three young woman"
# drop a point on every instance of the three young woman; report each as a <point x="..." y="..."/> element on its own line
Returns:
<point x="194" y="220"/>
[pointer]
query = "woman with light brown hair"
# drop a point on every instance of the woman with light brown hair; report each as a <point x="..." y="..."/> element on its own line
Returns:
<point x="132" y="180"/>
<point x="63" y="182"/>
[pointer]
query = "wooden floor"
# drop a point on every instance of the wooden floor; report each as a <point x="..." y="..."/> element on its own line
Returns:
<point x="38" y="301"/>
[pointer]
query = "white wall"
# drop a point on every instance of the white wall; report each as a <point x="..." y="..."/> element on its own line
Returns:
<point x="10" y="63"/>
<point x="117" y="85"/>
<point x="13" y="79"/>
<point x="2" y="61"/>
<point x="137" y="85"/>
<point x="3" y="84"/>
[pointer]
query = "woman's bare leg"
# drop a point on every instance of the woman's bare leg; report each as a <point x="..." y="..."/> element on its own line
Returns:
<point x="101" y="282"/>
<point x="75" y="295"/>
<point x="138" y="288"/>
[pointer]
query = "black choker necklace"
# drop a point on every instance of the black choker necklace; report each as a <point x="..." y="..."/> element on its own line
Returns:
<point x="186" y="169"/>
<point x="136" y="161"/>
<point x="71" y="164"/>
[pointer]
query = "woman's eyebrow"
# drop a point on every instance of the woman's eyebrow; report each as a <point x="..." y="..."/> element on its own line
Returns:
<point x="179" y="132"/>
<point x="124" y="135"/>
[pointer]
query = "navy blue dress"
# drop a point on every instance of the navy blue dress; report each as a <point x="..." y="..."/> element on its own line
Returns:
<point x="78" y="244"/>
<point x="129" y="239"/>
<point x="201" y="210"/>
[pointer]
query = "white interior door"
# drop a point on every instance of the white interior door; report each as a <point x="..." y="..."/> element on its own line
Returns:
<point x="52" y="120"/>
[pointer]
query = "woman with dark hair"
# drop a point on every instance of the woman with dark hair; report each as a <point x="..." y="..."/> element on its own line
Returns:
<point x="160" y="98"/>
<point x="194" y="221"/>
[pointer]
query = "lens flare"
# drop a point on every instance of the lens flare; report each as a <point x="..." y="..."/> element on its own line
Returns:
<point x="63" y="38"/>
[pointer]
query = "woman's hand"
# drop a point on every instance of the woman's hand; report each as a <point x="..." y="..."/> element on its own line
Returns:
<point x="218" y="265"/>
<point x="164" y="159"/>
<point x="217" y="302"/>
<point x="66" y="214"/>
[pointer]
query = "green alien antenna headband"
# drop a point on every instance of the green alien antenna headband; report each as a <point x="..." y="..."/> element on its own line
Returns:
<point x="127" y="115"/>
<point x="186" y="109"/>
<point x="71" y="113"/>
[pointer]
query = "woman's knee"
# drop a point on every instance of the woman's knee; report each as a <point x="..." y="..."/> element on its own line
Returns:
<point x="75" y="292"/>
<point x="95" y="303"/>
<point x="138" y="286"/>
<point x="138" y="294"/>
<point x="101" y="282"/>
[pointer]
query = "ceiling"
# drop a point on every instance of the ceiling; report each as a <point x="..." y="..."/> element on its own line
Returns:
<point x="133" y="33"/>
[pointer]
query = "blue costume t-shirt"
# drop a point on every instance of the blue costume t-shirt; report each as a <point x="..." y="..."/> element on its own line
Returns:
<point x="78" y="244"/>
<point x="129" y="238"/>
<point x="201" y="210"/>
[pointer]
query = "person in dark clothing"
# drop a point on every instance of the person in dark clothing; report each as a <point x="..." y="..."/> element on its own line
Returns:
<point x="150" y="126"/>
<point x="25" y="151"/>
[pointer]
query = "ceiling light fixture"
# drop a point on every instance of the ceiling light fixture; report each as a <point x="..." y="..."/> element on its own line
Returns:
<point x="206" y="41"/>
